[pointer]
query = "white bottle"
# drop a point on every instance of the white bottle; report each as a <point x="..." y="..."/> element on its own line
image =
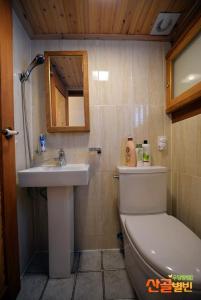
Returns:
<point x="146" y="153"/>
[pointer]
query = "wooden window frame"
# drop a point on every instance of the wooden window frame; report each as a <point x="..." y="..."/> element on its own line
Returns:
<point x="187" y="103"/>
<point x="54" y="129"/>
<point x="56" y="84"/>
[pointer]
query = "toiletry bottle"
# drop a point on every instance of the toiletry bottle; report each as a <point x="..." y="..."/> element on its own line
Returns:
<point x="146" y="153"/>
<point x="139" y="155"/>
<point x="42" y="140"/>
<point x="130" y="153"/>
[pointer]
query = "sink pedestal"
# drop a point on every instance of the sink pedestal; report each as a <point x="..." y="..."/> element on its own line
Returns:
<point x="59" y="182"/>
<point x="60" y="231"/>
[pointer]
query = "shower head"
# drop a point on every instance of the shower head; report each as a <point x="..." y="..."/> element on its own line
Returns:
<point x="38" y="60"/>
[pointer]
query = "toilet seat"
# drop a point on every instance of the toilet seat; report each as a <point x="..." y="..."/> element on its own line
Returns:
<point x="178" y="253"/>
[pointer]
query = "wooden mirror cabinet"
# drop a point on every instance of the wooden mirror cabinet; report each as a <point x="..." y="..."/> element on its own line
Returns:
<point x="67" y="93"/>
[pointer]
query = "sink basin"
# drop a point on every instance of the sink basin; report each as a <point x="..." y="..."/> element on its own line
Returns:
<point x="68" y="175"/>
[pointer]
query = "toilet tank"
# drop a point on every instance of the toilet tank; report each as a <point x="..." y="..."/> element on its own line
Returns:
<point x="142" y="190"/>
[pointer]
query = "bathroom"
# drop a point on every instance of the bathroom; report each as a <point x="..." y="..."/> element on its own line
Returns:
<point x="128" y="86"/>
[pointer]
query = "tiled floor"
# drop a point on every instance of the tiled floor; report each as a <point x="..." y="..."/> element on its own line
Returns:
<point x="98" y="275"/>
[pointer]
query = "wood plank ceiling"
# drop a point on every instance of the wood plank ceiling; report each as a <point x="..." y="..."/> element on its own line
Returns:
<point x="120" y="19"/>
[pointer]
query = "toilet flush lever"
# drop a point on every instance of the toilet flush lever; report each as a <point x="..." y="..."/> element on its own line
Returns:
<point x="9" y="132"/>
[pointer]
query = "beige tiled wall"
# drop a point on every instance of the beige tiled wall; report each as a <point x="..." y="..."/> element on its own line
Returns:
<point x="132" y="102"/>
<point x="186" y="172"/>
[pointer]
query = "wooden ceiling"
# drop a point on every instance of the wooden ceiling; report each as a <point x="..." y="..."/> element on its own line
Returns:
<point x="69" y="70"/>
<point x="106" y="19"/>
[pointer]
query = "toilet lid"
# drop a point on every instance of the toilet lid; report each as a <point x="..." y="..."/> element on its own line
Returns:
<point x="166" y="244"/>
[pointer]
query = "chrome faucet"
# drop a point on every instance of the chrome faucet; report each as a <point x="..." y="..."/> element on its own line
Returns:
<point x="62" y="158"/>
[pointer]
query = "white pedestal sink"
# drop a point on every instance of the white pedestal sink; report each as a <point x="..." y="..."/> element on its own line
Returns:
<point x="59" y="182"/>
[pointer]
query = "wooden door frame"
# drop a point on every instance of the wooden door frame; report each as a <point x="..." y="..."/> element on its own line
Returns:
<point x="7" y="155"/>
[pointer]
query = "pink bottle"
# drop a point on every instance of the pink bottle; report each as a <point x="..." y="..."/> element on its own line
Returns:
<point x="131" y="160"/>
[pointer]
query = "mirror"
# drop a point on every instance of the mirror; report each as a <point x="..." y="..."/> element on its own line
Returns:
<point x="66" y="76"/>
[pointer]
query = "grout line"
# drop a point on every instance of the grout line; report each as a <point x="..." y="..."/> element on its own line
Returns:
<point x="115" y="269"/>
<point x="75" y="281"/>
<point x="103" y="285"/>
<point x="99" y="249"/>
<point x="76" y="275"/>
<point x="42" y="271"/>
<point x="102" y="273"/>
<point x="90" y="271"/>
<point x="27" y="266"/>
<point x="102" y="260"/>
<point x="43" y="291"/>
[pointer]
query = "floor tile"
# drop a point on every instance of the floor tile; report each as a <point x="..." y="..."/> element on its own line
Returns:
<point x="32" y="287"/>
<point x="89" y="286"/>
<point x="113" y="259"/>
<point x="90" y="261"/>
<point x="117" y="285"/>
<point x="59" y="289"/>
<point x="39" y="264"/>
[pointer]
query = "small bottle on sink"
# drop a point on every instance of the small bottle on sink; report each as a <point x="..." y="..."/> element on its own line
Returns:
<point x="42" y="140"/>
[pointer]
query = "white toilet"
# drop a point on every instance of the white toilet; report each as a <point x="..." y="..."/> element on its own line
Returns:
<point x="156" y="244"/>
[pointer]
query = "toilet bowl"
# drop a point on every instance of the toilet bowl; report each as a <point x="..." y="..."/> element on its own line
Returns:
<point x="157" y="245"/>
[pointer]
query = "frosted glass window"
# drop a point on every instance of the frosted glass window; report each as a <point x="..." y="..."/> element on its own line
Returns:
<point x="187" y="67"/>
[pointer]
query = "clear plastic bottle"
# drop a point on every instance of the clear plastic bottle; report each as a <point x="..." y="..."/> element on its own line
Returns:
<point x="146" y="153"/>
<point x="139" y="155"/>
<point x="130" y="153"/>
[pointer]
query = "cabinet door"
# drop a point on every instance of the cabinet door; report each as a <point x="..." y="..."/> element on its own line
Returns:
<point x="9" y="256"/>
<point x="2" y="256"/>
<point x="187" y="67"/>
<point x="183" y="65"/>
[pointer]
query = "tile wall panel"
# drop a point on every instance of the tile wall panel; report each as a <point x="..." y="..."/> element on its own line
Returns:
<point x="131" y="102"/>
<point x="186" y="172"/>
